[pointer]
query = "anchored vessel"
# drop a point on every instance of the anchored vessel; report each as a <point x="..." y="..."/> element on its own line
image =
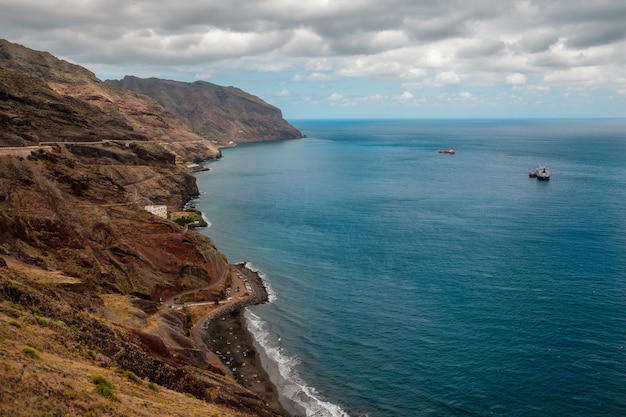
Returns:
<point x="541" y="173"/>
<point x="448" y="151"/>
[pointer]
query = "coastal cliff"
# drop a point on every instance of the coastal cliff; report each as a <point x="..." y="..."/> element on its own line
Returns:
<point x="93" y="288"/>
<point x="222" y="114"/>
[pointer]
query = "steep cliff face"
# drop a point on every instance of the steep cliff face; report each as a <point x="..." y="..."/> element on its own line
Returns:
<point x="61" y="212"/>
<point x="43" y="98"/>
<point x="218" y="113"/>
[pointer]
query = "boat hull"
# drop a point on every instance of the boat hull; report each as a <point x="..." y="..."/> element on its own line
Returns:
<point x="541" y="173"/>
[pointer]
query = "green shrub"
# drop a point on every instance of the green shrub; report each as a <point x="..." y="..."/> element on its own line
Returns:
<point x="34" y="346"/>
<point x="194" y="216"/>
<point x="15" y="324"/>
<point x="104" y="387"/>
<point x="188" y="324"/>
<point x="153" y="386"/>
<point x="134" y="378"/>
<point x="43" y="322"/>
<point x="30" y="353"/>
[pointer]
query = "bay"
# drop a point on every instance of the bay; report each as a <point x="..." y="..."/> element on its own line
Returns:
<point x="410" y="283"/>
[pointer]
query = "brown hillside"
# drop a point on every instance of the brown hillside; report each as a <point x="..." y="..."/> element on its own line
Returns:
<point x="218" y="113"/>
<point x="45" y="99"/>
<point x="87" y="276"/>
<point x="82" y="271"/>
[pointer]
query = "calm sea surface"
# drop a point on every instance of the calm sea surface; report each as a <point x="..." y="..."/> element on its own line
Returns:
<point x="409" y="283"/>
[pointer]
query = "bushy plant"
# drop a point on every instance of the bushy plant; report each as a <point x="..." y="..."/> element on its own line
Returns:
<point x="34" y="346"/>
<point x="188" y="324"/>
<point x="132" y="377"/>
<point x="30" y="353"/>
<point x="193" y="216"/>
<point x="104" y="387"/>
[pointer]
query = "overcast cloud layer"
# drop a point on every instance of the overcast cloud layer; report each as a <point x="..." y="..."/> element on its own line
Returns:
<point x="353" y="58"/>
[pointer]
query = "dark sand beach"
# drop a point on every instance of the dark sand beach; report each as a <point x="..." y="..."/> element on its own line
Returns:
<point x="228" y="337"/>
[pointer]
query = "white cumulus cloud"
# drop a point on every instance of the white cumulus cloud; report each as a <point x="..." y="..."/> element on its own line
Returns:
<point x="516" y="78"/>
<point x="407" y="44"/>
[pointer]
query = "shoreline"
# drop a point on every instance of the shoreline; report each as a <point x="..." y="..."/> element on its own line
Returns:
<point x="226" y="336"/>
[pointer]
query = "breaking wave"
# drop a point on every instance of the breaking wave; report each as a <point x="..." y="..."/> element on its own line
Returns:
<point x="282" y="369"/>
<point x="271" y="294"/>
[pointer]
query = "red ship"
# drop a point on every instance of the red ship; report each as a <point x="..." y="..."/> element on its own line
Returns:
<point x="448" y="151"/>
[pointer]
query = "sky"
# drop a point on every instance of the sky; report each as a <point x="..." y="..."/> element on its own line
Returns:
<point x="353" y="58"/>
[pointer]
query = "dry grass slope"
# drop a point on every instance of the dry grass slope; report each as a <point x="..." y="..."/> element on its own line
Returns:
<point x="48" y="368"/>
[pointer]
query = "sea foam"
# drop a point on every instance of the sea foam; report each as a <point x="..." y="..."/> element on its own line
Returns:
<point x="271" y="294"/>
<point x="282" y="369"/>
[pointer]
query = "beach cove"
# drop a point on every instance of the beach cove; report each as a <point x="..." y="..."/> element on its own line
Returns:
<point x="221" y="328"/>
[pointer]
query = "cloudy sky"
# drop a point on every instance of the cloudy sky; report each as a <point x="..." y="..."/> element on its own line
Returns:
<point x="353" y="58"/>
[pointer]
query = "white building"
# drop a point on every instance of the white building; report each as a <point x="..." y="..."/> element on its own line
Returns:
<point x="160" y="211"/>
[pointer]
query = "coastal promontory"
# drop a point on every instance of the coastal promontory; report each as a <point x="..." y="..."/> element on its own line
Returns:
<point x="221" y="114"/>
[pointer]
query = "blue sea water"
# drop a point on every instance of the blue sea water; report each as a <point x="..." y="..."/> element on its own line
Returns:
<point x="411" y="283"/>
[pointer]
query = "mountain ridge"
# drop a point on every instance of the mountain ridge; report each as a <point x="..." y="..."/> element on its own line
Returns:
<point x="69" y="103"/>
<point x="218" y="113"/>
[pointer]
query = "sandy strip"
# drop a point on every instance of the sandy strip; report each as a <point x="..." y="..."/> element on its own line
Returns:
<point x="228" y="337"/>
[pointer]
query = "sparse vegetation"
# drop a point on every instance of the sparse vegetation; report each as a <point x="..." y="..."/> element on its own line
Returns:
<point x="15" y="324"/>
<point x="34" y="346"/>
<point x="152" y="386"/>
<point x="188" y="324"/>
<point x="130" y="376"/>
<point x="104" y="387"/>
<point x="30" y="353"/>
<point x="192" y="216"/>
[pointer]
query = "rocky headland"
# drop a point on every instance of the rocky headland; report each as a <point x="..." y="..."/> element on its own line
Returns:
<point x="92" y="286"/>
<point x="220" y="114"/>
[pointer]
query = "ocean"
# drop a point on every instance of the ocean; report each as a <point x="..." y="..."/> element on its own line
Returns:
<point x="405" y="282"/>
